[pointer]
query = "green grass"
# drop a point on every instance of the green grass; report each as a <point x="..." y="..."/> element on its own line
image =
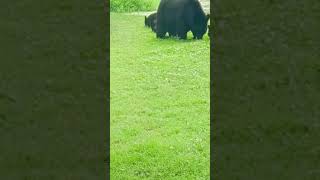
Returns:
<point x="133" y="5"/>
<point x="159" y="104"/>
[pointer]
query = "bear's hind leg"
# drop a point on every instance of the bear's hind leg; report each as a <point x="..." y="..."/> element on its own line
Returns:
<point x="161" y="35"/>
<point x="172" y="34"/>
<point x="182" y="35"/>
<point x="181" y="31"/>
<point x="181" y="28"/>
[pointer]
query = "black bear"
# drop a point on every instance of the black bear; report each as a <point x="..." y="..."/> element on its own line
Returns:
<point x="177" y="17"/>
<point x="151" y="21"/>
<point x="210" y="31"/>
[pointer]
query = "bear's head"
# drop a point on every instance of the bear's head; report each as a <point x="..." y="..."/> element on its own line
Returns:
<point x="145" y="21"/>
<point x="201" y="27"/>
<point x="154" y="25"/>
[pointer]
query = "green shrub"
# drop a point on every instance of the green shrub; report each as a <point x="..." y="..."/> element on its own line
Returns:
<point x="133" y="5"/>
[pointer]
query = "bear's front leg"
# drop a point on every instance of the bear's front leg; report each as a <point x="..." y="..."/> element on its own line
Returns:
<point x="160" y="36"/>
<point x="183" y="36"/>
<point x="160" y="33"/>
<point x="181" y="30"/>
<point x="194" y="35"/>
<point x="172" y="34"/>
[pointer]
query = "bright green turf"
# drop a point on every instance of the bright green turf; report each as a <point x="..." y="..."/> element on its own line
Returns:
<point x="159" y="104"/>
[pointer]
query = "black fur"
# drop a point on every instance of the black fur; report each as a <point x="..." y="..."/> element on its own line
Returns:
<point x="177" y="17"/>
<point x="151" y="21"/>
<point x="210" y="31"/>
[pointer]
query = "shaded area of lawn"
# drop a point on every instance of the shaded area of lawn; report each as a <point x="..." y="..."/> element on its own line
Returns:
<point x="159" y="104"/>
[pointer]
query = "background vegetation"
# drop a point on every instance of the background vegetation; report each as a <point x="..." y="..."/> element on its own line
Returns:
<point x="133" y="5"/>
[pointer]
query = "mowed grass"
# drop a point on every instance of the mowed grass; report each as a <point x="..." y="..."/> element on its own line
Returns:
<point x="159" y="104"/>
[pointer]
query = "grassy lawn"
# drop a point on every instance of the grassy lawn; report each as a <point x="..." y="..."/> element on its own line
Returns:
<point x="159" y="103"/>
